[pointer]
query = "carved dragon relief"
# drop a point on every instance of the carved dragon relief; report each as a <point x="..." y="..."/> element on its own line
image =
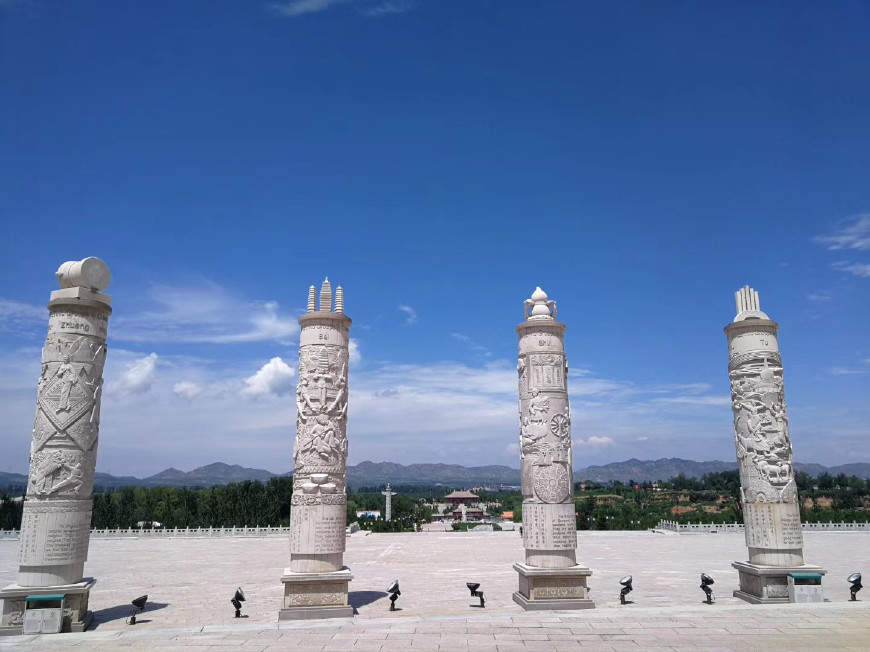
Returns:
<point x="761" y="431"/>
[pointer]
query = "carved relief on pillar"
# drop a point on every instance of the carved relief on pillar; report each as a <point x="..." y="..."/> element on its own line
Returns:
<point x="70" y="389"/>
<point x="13" y="613"/>
<point x="321" y="400"/>
<point x="545" y="422"/>
<point x="764" y="450"/>
<point x="61" y="473"/>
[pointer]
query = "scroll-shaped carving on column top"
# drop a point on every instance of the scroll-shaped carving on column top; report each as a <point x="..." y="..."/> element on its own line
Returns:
<point x="90" y="273"/>
<point x="764" y="449"/>
<point x="538" y="308"/>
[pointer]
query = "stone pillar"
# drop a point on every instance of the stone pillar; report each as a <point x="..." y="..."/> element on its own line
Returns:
<point x="550" y="578"/>
<point x="389" y="494"/>
<point x="316" y="583"/>
<point x="764" y="456"/>
<point x="56" y="525"/>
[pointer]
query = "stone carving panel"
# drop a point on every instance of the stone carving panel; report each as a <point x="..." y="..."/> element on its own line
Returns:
<point x="555" y="587"/>
<point x="52" y="537"/>
<point x="764" y="450"/>
<point x="311" y="595"/>
<point x="549" y="526"/>
<point x="321" y="401"/>
<point x="63" y="473"/>
<point x="13" y="613"/>
<point x="318" y="529"/>
<point x="69" y="390"/>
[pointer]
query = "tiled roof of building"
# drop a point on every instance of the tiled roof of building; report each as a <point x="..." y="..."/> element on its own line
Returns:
<point x="462" y="494"/>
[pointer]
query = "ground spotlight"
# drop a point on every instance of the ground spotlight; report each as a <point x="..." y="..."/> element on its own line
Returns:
<point x="237" y="601"/>
<point x="138" y="607"/>
<point x="473" y="586"/>
<point x="394" y="592"/>
<point x="855" y="580"/>
<point x="706" y="581"/>
<point x="626" y="588"/>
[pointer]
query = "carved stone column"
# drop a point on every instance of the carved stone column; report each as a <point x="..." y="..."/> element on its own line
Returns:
<point x="550" y="578"/>
<point x="769" y="497"/>
<point x="56" y="525"/>
<point x="389" y="493"/>
<point x="316" y="583"/>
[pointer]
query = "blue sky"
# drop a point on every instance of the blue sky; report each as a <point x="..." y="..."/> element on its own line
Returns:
<point x="439" y="159"/>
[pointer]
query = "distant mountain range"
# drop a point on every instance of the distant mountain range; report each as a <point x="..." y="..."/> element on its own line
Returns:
<point x="377" y="473"/>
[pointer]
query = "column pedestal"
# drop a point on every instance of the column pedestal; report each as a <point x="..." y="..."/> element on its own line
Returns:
<point x="553" y="588"/>
<point x="316" y="595"/>
<point x="76" y="617"/>
<point x="767" y="584"/>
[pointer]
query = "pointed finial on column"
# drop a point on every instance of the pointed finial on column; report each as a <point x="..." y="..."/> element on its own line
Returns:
<point x="326" y="296"/>
<point x="312" y="299"/>
<point x="339" y="300"/>
<point x="540" y="307"/>
<point x="748" y="306"/>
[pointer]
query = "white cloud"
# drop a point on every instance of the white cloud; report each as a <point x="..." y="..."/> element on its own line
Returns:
<point x="819" y="297"/>
<point x="301" y="7"/>
<point x="474" y="346"/>
<point x="853" y="233"/>
<point x="398" y="412"/>
<point x="858" y="269"/>
<point x="696" y="400"/>
<point x="274" y="377"/>
<point x="595" y="441"/>
<point x="845" y="371"/>
<point x="188" y="389"/>
<point x="353" y="352"/>
<point x="207" y="313"/>
<point x="389" y="7"/>
<point x="370" y="8"/>
<point x="410" y="315"/>
<point x="138" y="377"/>
<point x="22" y="317"/>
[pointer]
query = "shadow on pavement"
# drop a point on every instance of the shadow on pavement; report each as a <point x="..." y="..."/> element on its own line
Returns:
<point x="358" y="599"/>
<point x="123" y="611"/>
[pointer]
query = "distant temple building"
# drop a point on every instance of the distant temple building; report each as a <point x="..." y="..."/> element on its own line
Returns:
<point x="461" y="498"/>
<point x="467" y="502"/>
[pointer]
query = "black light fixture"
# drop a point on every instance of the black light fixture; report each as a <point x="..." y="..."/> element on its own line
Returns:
<point x="138" y="607"/>
<point x="706" y="581"/>
<point x="855" y="580"/>
<point x="473" y="586"/>
<point x="393" y="590"/>
<point x="626" y="588"/>
<point x="237" y="601"/>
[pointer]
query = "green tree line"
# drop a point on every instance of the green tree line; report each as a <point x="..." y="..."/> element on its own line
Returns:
<point x="614" y="506"/>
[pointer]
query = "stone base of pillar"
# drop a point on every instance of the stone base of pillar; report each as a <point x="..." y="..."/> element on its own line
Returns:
<point x="316" y="595"/>
<point x="767" y="584"/>
<point x="553" y="588"/>
<point x="76" y="617"/>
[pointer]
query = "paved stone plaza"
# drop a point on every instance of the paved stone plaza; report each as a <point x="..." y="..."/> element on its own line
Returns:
<point x="190" y="582"/>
